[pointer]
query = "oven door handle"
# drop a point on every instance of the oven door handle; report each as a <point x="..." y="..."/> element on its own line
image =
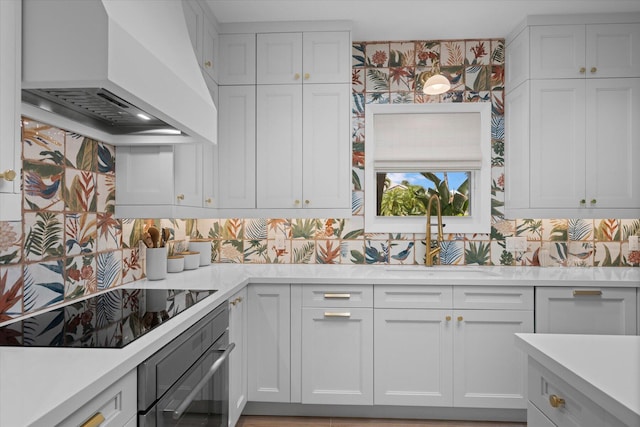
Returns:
<point x="212" y="370"/>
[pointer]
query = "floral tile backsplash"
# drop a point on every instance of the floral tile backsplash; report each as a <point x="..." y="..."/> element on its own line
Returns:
<point x="68" y="243"/>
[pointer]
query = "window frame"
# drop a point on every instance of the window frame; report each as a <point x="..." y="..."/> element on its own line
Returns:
<point x="480" y="219"/>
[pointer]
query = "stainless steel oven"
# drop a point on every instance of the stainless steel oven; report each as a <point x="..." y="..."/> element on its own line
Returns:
<point x="187" y="382"/>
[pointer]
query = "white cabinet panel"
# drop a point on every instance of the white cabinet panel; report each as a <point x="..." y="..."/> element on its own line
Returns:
<point x="237" y="147"/>
<point x="279" y="146"/>
<point x="144" y="175"/>
<point x="337" y="356"/>
<point x="410" y="296"/>
<point x="493" y="297"/>
<point x="613" y="50"/>
<point x="413" y="357"/>
<point x="238" y="59"/>
<point x="517" y="169"/>
<point x="269" y="357"/>
<point x="489" y="371"/>
<point x="279" y="58"/>
<point x="326" y="57"/>
<point x="238" y="358"/>
<point x="557" y="51"/>
<point x="337" y="296"/>
<point x="610" y="311"/>
<point x="187" y="170"/>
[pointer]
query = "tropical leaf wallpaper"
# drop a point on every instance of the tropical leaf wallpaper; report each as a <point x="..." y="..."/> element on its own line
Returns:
<point x="68" y="243"/>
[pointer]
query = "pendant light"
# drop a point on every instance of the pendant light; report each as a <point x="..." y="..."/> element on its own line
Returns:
<point x="437" y="83"/>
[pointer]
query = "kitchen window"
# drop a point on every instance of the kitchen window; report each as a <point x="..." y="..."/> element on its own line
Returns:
<point x="412" y="151"/>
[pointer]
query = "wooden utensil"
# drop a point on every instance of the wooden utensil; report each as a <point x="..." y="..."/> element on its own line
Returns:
<point x="155" y="236"/>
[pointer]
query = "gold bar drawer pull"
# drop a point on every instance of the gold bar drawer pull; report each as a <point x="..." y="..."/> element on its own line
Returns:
<point x="94" y="421"/>
<point x="338" y="296"/>
<point x="587" y="292"/>
<point x="330" y="314"/>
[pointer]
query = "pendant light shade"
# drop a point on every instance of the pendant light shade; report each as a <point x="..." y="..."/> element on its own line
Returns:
<point x="436" y="85"/>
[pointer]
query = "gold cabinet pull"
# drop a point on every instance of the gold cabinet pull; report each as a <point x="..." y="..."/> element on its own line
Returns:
<point x="460" y="318"/>
<point x="583" y="70"/>
<point x="236" y="301"/>
<point x="180" y="196"/>
<point x="448" y="318"/>
<point x="296" y="202"/>
<point x="296" y="76"/>
<point x="207" y="64"/>
<point x="306" y="76"/>
<point x="337" y="296"/>
<point x="594" y="69"/>
<point x="583" y="202"/>
<point x="594" y="201"/>
<point x="306" y="202"/>
<point x="94" y="421"/>
<point x="8" y="175"/>
<point x="556" y="401"/>
<point x="209" y="200"/>
<point x="332" y="314"/>
<point x="587" y="293"/>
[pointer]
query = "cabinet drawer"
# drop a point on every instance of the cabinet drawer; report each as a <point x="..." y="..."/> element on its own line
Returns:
<point x="337" y="296"/>
<point x="573" y="310"/>
<point x="493" y="297"/>
<point x="401" y="296"/>
<point x="115" y="406"/>
<point x="575" y="409"/>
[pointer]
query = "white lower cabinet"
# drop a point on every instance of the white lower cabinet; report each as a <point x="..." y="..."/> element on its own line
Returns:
<point x="116" y="406"/>
<point x="238" y="357"/>
<point x="440" y="355"/>
<point x="572" y="310"/>
<point x="269" y="343"/>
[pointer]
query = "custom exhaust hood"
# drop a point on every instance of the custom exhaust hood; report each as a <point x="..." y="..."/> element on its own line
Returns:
<point x="124" y="68"/>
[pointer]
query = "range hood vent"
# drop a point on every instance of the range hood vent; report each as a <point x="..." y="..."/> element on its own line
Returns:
<point x="125" y="68"/>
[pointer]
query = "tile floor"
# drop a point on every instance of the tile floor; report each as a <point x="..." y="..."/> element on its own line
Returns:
<point x="262" y="421"/>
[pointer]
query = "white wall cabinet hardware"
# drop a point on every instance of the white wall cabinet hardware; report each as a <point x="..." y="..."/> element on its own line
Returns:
<point x="443" y="332"/>
<point x="269" y="346"/>
<point x="337" y="344"/>
<point x="115" y="406"/>
<point x="204" y="37"/>
<point x="570" y="310"/>
<point x="237" y="59"/>
<point x="585" y="51"/>
<point x="10" y="135"/>
<point x="299" y="58"/>
<point x="303" y="152"/>
<point x="572" y="137"/>
<point x="238" y="329"/>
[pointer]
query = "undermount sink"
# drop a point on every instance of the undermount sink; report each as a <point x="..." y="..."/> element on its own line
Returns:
<point x="444" y="270"/>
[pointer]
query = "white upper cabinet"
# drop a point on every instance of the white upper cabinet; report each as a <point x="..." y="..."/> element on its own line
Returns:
<point x="297" y="58"/>
<point x="591" y="51"/>
<point x="10" y="138"/>
<point x="204" y="37"/>
<point x="237" y="59"/>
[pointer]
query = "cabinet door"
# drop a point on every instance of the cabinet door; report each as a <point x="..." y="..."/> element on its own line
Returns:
<point x="613" y="50"/>
<point x="210" y="50"/>
<point x="610" y="311"/>
<point x="144" y="175"/>
<point x="413" y="360"/>
<point x="279" y="58"/>
<point x="279" y="146"/>
<point x="238" y="357"/>
<point x="327" y="146"/>
<point x="517" y="173"/>
<point x="239" y="64"/>
<point x="557" y="51"/>
<point x="237" y="147"/>
<point x="326" y="57"/>
<point x="269" y="357"/>
<point x="337" y="356"/>
<point x="489" y="376"/>
<point x="194" y="18"/>
<point x="557" y="148"/>
<point x="187" y="169"/>
<point x="10" y="138"/>
<point x="613" y="143"/>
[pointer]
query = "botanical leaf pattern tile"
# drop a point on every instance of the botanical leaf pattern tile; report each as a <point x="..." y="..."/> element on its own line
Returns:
<point x="80" y="276"/>
<point x="131" y="265"/>
<point x="377" y="55"/>
<point x="106" y="193"/>
<point x="10" y="242"/>
<point x="109" y="232"/>
<point x="11" y="287"/>
<point x="43" y="284"/>
<point x="44" y="235"/>
<point x="80" y="233"/>
<point x="42" y="142"/>
<point x="42" y="186"/>
<point x="109" y="269"/>
<point x="81" y="152"/>
<point x="80" y="191"/>
<point x="106" y="160"/>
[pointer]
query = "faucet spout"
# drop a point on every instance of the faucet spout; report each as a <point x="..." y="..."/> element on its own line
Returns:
<point x="431" y="252"/>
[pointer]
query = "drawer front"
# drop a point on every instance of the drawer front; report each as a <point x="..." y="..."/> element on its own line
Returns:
<point x="115" y="406"/>
<point x="337" y="296"/>
<point x="575" y="409"/>
<point x="535" y="418"/>
<point x="493" y="297"/>
<point x="402" y="296"/>
<point x="584" y="310"/>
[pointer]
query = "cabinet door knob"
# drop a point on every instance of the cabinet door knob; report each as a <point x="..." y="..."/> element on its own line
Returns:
<point x="306" y="76"/>
<point x="180" y="196"/>
<point x="594" y="201"/>
<point x="582" y="70"/>
<point x="448" y="318"/>
<point x="556" y="401"/>
<point x="583" y="202"/>
<point x="296" y="76"/>
<point x="460" y="318"/>
<point x="209" y="201"/>
<point x="593" y="69"/>
<point x="207" y="64"/>
<point x="296" y="202"/>
<point x="8" y="175"/>
<point x="306" y="202"/>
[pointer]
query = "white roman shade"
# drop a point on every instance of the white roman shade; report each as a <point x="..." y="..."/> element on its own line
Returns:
<point x="427" y="142"/>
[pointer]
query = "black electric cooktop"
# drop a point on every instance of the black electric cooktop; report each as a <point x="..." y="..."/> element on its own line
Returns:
<point x="109" y="320"/>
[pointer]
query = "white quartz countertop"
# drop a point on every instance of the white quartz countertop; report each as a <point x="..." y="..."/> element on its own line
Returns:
<point x="605" y="368"/>
<point x="41" y="386"/>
